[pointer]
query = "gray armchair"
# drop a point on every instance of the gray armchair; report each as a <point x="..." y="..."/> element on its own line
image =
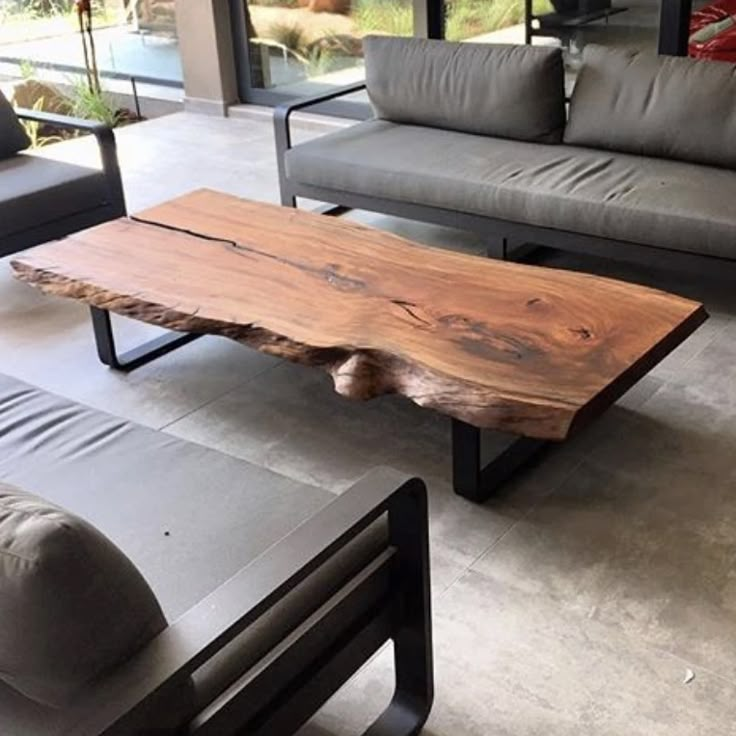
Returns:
<point x="42" y="199"/>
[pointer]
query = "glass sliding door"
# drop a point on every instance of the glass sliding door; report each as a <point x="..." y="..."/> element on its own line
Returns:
<point x="487" y="21"/>
<point x="133" y="38"/>
<point x="295" y="47"/>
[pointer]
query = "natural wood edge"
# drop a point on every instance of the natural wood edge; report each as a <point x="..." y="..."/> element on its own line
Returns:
<point x="357" y="373"/>
<point x="638" y="370"/>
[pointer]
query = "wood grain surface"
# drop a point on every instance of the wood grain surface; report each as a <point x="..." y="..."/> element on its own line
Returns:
<point x="528" y="350"/>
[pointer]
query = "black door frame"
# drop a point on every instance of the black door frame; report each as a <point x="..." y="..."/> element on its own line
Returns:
<point x="428" y="23"/>
<point x="674" y="26"/>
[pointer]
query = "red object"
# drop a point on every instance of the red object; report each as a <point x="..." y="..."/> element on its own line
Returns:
<point x="723" y="45"/>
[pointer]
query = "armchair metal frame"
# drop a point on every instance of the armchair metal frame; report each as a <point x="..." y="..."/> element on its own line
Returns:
<point x="114" y="205"/>
<point x="388" y="599"/>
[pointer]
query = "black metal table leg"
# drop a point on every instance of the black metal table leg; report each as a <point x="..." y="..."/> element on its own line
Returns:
<point x="475" y="481"/>
<point x="107" y="352"/>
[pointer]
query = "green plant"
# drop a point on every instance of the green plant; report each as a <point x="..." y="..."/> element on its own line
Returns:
<point x="276" y="3"/>
<point x="46" y="8"/>
<point x="93" y="104"/>
<point x="319" y="61"/>
<point x="468" y="18"/>
<point x="33" y="129"/>
<point x="25" y="10"/>
<point x="288" y="35"/>
<point x="392" y="17"/>
<point x="27" y="69"/>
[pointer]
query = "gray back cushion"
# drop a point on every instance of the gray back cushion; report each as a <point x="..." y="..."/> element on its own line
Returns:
<point x="670" y="107"/>
<point x="12" y="136"/>
<point x="489" y="89"/>
<point x="72" y="605"/>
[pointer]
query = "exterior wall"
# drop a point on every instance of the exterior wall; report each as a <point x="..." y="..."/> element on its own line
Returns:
<point x="207" y="57"/>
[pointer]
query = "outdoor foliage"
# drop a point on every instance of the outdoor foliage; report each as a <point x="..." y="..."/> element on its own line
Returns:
<point x="94" y="104"/>
<point x="34" y="129"/>
<point x="87" y="98"/>
<point x="289" y="35"/>
<point x="392" y="17"/>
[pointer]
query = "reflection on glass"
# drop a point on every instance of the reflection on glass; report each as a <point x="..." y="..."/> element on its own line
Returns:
<point x="297" y="41"/>
<point x="133" y="38"/>
<point x="492" y="21"/>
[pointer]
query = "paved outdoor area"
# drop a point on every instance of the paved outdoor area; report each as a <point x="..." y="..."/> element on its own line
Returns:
<point x="574" y="603"/>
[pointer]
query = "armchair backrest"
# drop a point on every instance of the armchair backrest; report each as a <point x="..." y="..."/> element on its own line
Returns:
<point x="13" y="137"/>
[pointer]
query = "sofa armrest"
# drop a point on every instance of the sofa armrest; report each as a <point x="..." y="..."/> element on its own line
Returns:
<point x="169" y="659"/>
<point x="105" y="140"/>
<point x="283" y="112"/>
<point x="282" y="129"/>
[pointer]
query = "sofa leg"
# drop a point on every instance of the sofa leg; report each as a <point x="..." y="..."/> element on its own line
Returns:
<point x="498" y="249"/>
<point x="413" y="661"/>
<point x="288" y="200"/>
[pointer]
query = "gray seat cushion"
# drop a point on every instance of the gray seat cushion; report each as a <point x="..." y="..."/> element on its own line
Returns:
<point x="490" y="89"/>
<point x="637" y="102"/>
<point x="36" y="190"/>
<point x="188" y="517"/>
<point x="649" y="201"/>
<point x="13" y="137"/>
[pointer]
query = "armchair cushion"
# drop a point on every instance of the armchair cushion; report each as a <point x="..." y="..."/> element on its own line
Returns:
<point x="637" y="102"/>
<point x="13" y="137"/>
<point x="72" y="605"/>
<point x="35" y="190"/>
<point x="490" y="89"/>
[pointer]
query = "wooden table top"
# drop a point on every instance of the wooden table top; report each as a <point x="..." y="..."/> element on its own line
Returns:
<point x="524" y="349"/>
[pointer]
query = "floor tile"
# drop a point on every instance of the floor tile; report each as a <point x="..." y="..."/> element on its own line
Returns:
<point x="509" y="663"/>
<point x="642" y="535"/>
<point x="598" y="575"/>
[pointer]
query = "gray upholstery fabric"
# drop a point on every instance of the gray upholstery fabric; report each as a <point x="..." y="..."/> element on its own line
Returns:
<point x="36" y="190"/>
<point x="613" y="195"/>
<point x="188" y="517"/>
<point x="637" y="102"/>
<point x="12" y="136"/>
<point x="489" y="89"/>
<point x="72" y="605"/>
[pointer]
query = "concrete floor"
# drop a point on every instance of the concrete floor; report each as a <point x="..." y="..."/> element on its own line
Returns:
<point x="577" y="600"/>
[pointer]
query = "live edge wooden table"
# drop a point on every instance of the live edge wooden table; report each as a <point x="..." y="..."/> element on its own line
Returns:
<point x="533" y="352"/>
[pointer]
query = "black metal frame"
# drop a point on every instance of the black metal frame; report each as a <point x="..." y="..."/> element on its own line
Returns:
<point x="674" y="27"/>
<point x="114" y="205"/>
<point x="135" y="357"/>
<point x="389" y="599"/>
<point x="477" y="481"/>
<point x="559" y="25"/>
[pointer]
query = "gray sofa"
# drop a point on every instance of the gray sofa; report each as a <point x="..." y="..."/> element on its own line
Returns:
<point x="478" y="137"/>
<point x="275" y="591"/>
<point x="42" y="199"/>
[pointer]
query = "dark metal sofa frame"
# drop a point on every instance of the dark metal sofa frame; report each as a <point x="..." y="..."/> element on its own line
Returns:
<point x="389" y="599"/>
<point x="112" y="208"/>
<point x="507" y="240"/>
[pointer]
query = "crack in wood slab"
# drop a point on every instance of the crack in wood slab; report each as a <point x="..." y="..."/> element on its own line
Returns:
<point x="522" y="349"/>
